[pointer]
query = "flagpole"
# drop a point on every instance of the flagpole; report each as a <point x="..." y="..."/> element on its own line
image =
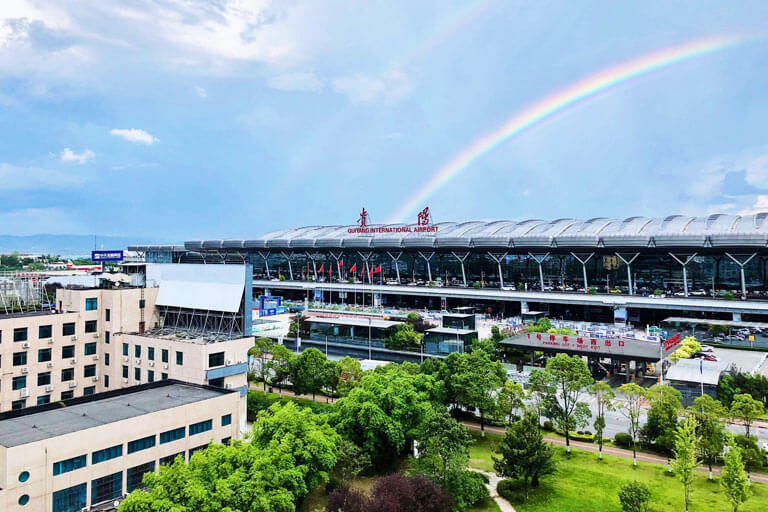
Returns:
<point x="701" y="374"/>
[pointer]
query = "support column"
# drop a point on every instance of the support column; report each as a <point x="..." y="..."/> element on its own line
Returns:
<point x="266" y="261"/>
<point x="741" y="269"/>
<point x="396" y="261"/>
<point x="541" y="272"/>
<point x="498" y="260"/>
<point x="685" y="270"/>
<point x="290" y="267"/>
<point x="314" y="264"/>
<point x="628" y="263"/>
<point x="337" y="257"/>
<point x="427" y="258"/>
<point x="462" y="259"/>
<point x="367" y="256"/>
<point x="584" y="269"/>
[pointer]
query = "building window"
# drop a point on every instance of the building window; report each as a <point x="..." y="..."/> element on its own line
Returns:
<point x="163" y="376"/>
<point x="171" y="458"/>
<point x="68" y="329"/>
<point x="150" y="376"/>
<point x="106" y="337"/>
<point x="226" y="420"/>
<point x="19" y="358"/>
<point x="216" y="359"/>
<point x="67" y="374"/>
<point x="137" y="351"/>
<point x="107" y="454"/>
<point x="107" y="488"/>
<point x="179" y="358"/>
<point x="142" y="303"/>
<point x="151" y="353"/>
<point x="43" y="379"/>
<point x="67" y="351"/>
<point x="89" y="348"/>
<point x="134" y="475"/>
<point x="141" y="444"/>
<point x="197" y="449"/>
<point x="90" y="326"/>
<point x="23" y="476"/>
<point x="44" y="399"/>
<point x="125" y="372"/>
<point x="125" y="349"/>
<point x="43" y="355"/>
<point x="216" y="383"/>
<point x="66" y="395"/>
<point x="106" y="359"/>
<point x="91" y="304"/>
<point x="23" y="499"/>
<point x="164" y="355"/>
<point x="20" y="334"/>
<point x="44" y="331"/>
<point x="107" y="314"/>
<point x="18" y="404"/>
<point x="71" y="499"/>
<point x="89" y="370"/>
<point x="19" y="382"/>
<point x="199" y="428"/>
<point x="65" y="466"/>
<point x="89" y="390"/>
<point x="106" y="381"/>
<point x="172" y="435"/>
<point x="137" y="374"/>
<point x="226" y="441"/>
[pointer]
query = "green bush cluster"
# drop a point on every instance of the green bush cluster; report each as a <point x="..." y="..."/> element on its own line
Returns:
<point x="623" y="439"/>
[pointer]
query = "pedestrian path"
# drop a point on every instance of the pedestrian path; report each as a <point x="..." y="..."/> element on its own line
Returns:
<point x="493" y="483"/>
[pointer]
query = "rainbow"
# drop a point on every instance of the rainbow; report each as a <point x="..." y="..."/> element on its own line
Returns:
<point x="554" y="103"/>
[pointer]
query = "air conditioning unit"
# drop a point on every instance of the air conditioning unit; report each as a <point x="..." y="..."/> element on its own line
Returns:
<point x="95" y="378"/>
<point x="25" y="370"/>
<point x="125" y="381"/>
<point x="151" y="363"/>
<point x="138" y="361"/>
<point x="50" y="364"/>
<point x="228" y="385"/>
<point x="27" y="344"/>
<point x="165" y="366"/>
<point x="72" y="384"/>
<point x="74" y="360"/>
<point x="50" y="341"/>
<point x="96" y="357"/>
<point x="74" y="337"/>
<point x="95" y="335"/>
<point x="49" y="388"/>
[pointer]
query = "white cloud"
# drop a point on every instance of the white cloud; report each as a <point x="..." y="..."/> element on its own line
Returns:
<point x="300" y="81"/>
<point x="760" y="205"/>
<point x="390" y="86"/>
<point x="70" y="156"/>
<point x="756" y="171"/>
<point x="13" y="177"/>
<point x="32" y="221"/>
<point x="134" y="135"/>
<point x="200" y="91"/>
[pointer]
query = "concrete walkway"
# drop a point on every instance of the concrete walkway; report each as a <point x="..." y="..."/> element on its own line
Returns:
<point x="493" y="482"/>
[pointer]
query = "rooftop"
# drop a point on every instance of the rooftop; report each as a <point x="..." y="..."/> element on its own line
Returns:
<point x="696" y="371"/>
<point x="354" y="322"/>
<point x="54" y="419"/>
<point x="451" y="331"/>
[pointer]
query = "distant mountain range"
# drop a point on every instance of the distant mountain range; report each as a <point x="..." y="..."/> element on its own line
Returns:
<point x="69" y="245"/>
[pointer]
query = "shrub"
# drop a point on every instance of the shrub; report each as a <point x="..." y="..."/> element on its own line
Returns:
<point x="623" y="439"/>
<point x="417" y="493"/>
<point x="346" y="499"/>
<point x="634" y="497"/>
<point x="547" y="425"/>
<point x="468" y="489"/>
<point x="507" y="489"/>
<point x="333" y="484"/>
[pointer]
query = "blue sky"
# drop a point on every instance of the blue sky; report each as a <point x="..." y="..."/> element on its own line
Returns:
<point x="191" y="119"/>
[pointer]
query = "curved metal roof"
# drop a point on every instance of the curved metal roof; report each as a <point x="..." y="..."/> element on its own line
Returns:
<point x="715" y="230"/>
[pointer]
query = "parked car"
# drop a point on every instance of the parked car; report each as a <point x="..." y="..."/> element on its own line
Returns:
<point x="706" y="349"/>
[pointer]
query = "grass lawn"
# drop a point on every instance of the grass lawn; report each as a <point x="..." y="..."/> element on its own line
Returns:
<point x="583" y="483"/>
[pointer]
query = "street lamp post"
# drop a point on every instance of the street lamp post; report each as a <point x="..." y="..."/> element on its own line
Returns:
<point x="369" y="339"/>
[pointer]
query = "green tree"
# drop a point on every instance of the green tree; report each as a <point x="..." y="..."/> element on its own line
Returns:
<point x="352" y="461"/>
<point x="381" y="415"/>
<point x="476" y="381"/>
<point x="510" y="400"/>
<point x="309" y="440"/>
<point x="733" y="477"/>
<point x="262" y="346"/>
<point x="537" y="394"/>
<point x="747" y="409"/>
<point x="666" y="406"/>
<point x="604" y="401"/>
<point x="331" y="378"/>
<point x="307" y="372"/>
<point x="280" y="365"/>
<point x="349" y="374"/>
<point x="403" y="337"/>
<point x="634" y="497"/>
<point x="523" y="452"/>
<point x="631" y="409"/>
<point x="708" y="413"/>
<point x="568" y="378"/>
<point x="685" y="459"/>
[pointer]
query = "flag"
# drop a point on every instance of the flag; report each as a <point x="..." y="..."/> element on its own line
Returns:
<point x="353" y="268"/>
<point x="701" y="366"/>
<point x="330" y="269"/>
<point x="341" y="263"/>
<point x="376" y="270"/>
<point x="322" y="267"/>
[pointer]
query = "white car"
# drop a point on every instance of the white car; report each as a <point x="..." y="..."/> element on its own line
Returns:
<point x="765" y="447"/>
<point x="706" y="348"/>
